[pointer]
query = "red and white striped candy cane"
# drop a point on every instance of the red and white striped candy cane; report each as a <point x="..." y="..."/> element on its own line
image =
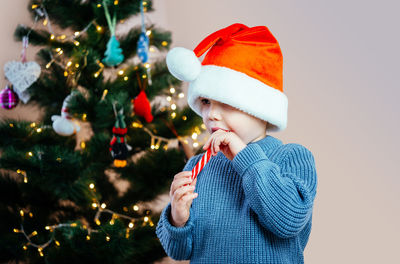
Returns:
<point x="202" y="162"/>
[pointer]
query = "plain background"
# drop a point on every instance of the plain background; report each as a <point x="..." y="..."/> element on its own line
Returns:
<point x="341" y="76"/>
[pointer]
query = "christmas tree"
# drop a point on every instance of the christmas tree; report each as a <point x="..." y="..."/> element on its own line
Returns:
<point x="61" y="198"/>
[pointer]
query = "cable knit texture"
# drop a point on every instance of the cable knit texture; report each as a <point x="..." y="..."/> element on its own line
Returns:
<point x="256" y="208"/>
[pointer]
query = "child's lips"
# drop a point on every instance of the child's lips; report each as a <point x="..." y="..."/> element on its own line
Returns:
<point x="217" y="128"/>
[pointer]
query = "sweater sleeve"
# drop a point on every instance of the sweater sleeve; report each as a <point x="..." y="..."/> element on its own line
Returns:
<point x="281" y="195"/>
<point x="176" y="241"/>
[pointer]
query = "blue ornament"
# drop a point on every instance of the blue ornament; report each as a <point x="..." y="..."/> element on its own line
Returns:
<point x="143" y="47"/>
<point x="113" y="54"/>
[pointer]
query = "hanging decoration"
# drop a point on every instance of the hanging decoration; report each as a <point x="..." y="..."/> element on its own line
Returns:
<point x="143" y="45"/>
<point x="113" y="54"/>
<point x="8" y="98"/>
<point x="64" y="125"/>
<point x="22" y="74"/>
<point x="118" y="146"/>
<point x="141" y="105"/>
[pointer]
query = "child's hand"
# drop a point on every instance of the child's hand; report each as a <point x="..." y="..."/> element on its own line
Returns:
<point x="228" y="142"/>
<point x="181" y="195"/>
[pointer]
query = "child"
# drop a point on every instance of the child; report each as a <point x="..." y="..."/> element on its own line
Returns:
<point x="254" y="198"/>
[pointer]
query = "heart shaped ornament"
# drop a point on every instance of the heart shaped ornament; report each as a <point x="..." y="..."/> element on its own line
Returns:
<point x="22" y="75"/>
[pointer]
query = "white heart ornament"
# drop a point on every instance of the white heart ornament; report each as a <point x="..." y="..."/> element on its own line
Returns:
<point x="22" y="75"/>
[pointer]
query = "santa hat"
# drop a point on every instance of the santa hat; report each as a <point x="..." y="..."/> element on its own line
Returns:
<point x="242" y="68"/>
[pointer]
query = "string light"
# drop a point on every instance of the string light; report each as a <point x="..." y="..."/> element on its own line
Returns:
<point x="34" y="233"/>
<point x="104" y="94"/>
<point x="25" y="181"/>
<point x="40" y="251"/>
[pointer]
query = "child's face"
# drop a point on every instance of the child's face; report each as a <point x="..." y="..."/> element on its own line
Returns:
<point x="220" y="115"/>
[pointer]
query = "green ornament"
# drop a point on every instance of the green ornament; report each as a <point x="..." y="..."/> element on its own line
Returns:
<point x="113" y="54"/>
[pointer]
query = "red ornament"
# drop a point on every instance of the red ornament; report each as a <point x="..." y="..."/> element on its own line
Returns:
<point x="8" y="98"/>
<point x="141" y="106"/>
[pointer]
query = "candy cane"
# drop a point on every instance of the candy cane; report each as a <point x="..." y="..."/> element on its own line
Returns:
<point x="203" y="161"/>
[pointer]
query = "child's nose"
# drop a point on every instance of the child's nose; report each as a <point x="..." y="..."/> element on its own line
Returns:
<point x="214" y="112"/>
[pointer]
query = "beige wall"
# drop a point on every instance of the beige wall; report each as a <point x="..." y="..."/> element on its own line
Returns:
<point x="341" y="75"/>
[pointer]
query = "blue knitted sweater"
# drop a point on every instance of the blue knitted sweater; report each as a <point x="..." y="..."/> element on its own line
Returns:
<point x="256" y="208"/>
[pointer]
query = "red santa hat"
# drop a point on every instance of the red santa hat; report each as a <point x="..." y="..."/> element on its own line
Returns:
<point x="242" y="68"/>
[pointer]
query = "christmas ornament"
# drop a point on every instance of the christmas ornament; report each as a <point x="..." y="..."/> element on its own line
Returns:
<point x="22" y="74"/>
<point x="141" y="105"/>
<point x="64" y="125"/>
<point x="118" y="147"/>
<point x="113" y="54"/>
<point x="8" y="98"/>
<point x="233" y="72"/>
<point x="143" y="47"/>
<point x="143" y="44"/>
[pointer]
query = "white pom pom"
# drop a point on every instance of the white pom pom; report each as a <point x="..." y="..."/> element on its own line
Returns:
<point x="183" y="64"/>
<point x="63" y="126"/>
